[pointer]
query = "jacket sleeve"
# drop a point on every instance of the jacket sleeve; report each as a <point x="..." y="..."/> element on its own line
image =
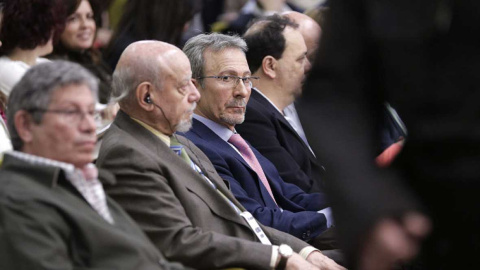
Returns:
<point x="32" y="237"/>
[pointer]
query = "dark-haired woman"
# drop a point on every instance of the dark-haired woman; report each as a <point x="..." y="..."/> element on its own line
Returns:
<point x="76" y="44"/>
<point x="27" y="33"/>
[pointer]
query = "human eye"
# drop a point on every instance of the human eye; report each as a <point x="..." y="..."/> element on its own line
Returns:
<point x="90" y="16"/>
<point x="73" y="18"/>
<point x="92" y="112"/>
<point x="71" y="112"/>
<point x="246" y="79"/>
<point x="227" y="79"/>
<point x="182" y="90"/>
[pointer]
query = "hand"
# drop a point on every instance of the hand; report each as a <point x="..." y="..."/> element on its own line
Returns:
<point x="296" y="262"/>
<point x="391" y="241"/>
<point x="323" y="262"/>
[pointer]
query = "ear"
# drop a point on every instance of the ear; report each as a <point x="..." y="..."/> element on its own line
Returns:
<point x="269" y="65"/>
<point x="144" y="90"/>
<point x="23" y="123"/>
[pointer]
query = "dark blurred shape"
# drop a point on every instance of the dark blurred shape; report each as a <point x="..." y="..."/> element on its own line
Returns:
<point x="423" y="57"/>
<point x="27" y="24"/>
<point x="150" y="20"/>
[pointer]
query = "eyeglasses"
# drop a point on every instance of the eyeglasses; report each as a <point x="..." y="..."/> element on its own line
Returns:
<point x="233" y="81"/>
<point x="73" y="116"/>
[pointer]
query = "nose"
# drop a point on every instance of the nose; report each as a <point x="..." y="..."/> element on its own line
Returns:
<point x="87" y="123"/>
<point x="87" y="22"/>
<point x="194" y="95"/>
<point x="241" y="90"/>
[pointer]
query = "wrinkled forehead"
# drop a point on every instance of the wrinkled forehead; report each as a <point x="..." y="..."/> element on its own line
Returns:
<point x="232" y="60"/>
<point x="78" y="94"/>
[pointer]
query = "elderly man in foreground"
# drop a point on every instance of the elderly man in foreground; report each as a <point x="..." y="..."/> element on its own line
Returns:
<point x="169" y="186"/>
<point x="54" y="212"/>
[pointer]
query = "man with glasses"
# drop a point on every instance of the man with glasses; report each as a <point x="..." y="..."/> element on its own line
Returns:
<point x="54" y="212"/>
<point x="169" y="186"/>
<point x="222" y="76"/>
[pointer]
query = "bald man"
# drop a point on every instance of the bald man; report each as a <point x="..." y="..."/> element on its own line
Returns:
<point x="169" y="186"/>
<point x="310" y="30"/>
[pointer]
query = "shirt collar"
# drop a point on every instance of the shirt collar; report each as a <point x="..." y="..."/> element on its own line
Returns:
<point x="222" y="131"/>
<point x="42" y="161"/>
<point x="260" y="92"/>
<point x="164" y="138"/>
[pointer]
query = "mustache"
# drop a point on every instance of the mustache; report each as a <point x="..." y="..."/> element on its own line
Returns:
<point x="237" y="103"/>
<point x="194" y="105"/>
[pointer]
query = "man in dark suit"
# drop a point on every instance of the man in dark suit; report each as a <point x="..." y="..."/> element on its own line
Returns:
<point x="169" y="186"/>
<point x="221" y="74"/>
<point x="54" y="212"/>
<point x="277" y="54"/>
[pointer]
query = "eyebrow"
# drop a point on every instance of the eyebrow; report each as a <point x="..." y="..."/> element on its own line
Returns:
<point x="303" y="55"/>
<point x="229" y="71"/>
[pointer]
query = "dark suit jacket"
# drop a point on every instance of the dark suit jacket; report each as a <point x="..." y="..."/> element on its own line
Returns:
<point x="299" y="217"/>
<point x="423" y="57"/>
<point x="271" y="134"/>
<point x="46" y="224"/>
<point x="180" y="212"/>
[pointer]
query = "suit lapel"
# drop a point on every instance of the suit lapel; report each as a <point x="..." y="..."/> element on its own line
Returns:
<point x="203" y="189"/>
<point x="209" y="136"/>
<point x="179" y="169"/>
<point x="273" y="111"/>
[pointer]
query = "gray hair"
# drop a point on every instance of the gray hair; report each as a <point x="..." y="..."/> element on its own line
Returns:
<point x="125" y="79"/>
<point x="35" y="90"/>
<point x="196" y="46"/>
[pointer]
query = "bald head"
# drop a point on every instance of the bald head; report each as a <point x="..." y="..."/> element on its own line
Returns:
<point x="142" y="61"/>
<point x="309" y="29"/>
<point x="153" y="83"/>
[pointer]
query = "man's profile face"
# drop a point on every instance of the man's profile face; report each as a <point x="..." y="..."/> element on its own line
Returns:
<point x="67" y="130"/>
<point x="178" y="95"/>
<point x="223" y="102"/>
<point x="293" y="65"/>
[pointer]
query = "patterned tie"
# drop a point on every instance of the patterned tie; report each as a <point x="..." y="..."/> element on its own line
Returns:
<point x="251" y="159"/>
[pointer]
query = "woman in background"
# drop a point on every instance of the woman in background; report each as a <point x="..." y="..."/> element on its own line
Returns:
<point x="28" y="29"/>
<point x="27" y="33"/>
<point x="76" y="44"/>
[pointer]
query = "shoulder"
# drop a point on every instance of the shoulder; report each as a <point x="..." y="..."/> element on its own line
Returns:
<point x="42" y="60"/>
<point x="118" y="144"/>
<point x="10" y="73"/>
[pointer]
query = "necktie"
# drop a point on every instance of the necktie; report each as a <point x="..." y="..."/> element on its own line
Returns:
<point x="251" y="159"/>
<point x="179" y="149"/>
